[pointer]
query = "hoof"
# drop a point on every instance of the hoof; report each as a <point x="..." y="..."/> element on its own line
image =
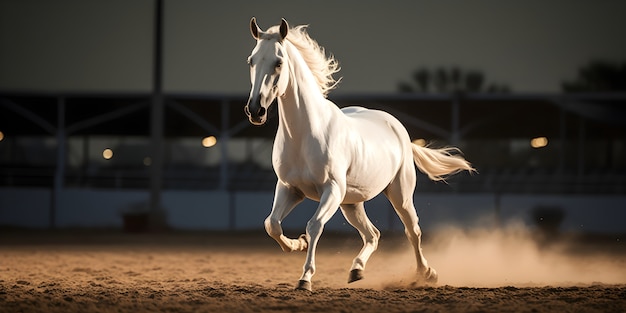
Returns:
<point x="304" y="285"/>
<point x="431" y="276"/>
<point x="355" y="274"/>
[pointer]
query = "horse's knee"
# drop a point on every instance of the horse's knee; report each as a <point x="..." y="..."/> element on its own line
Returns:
<point x="272" y="227"/>
<point x="314" y="226"/>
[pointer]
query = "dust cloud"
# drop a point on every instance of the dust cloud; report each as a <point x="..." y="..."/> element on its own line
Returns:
<point x="509" y="256"/>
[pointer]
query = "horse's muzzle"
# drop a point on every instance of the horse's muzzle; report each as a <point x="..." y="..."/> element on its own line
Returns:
<point x="257" y="114"/>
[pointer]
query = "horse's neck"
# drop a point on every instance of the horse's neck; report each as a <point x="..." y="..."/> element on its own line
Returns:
<point x="304" y="111"/>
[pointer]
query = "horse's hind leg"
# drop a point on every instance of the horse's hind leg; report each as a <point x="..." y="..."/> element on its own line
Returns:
<point x="355" y="214"/>
<point x="400" y="194"/>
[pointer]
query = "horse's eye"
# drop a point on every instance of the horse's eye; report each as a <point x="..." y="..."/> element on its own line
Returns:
<point x="279" y="63"/>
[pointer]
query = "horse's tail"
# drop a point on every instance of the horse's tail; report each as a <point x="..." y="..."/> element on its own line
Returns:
<point x="440" y="163"/>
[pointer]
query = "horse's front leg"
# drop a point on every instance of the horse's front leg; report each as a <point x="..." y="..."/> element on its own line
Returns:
<point x="285" y="199"/>
<point x="332" y="196"/>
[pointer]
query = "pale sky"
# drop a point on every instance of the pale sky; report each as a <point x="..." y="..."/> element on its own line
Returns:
<point x="531" y="46"/>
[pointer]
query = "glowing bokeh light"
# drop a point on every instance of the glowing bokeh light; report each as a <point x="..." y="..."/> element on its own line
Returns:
<point x="147" y="161"/>
<point x="420" y="142"/>
<point x="539" y="142"/>
<point x="209" y="141"/>
<point x="107" y="154"/>
<point x="1" y="136"/>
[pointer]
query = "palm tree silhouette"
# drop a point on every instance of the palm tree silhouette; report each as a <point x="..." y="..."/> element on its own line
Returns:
<point x="598" y="76"/>
<point x="450" y="80"/>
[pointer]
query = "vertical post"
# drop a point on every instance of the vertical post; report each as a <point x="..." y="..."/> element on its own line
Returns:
<point x="59" y="174"/>
<point x="454" y="127"/>
<point x="156" y="117"/>
<point x="232" y="211"/>
<point x="224" y="140"/>
<point x="498" y="209"/>
<point x="563" y="135"/>
<point x="224" y="165"/>
<point x="581" y="152"/>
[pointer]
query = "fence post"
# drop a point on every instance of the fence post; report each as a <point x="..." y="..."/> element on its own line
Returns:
<point x="59" y="174"/>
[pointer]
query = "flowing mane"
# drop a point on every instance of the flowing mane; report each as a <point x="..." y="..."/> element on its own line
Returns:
<point x="323" y="67"/>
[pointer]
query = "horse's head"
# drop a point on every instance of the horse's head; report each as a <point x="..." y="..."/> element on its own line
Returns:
<point x="268" y="70"/>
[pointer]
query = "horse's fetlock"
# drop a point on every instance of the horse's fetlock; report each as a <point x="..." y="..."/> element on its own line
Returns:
<point x="309" y="268"/>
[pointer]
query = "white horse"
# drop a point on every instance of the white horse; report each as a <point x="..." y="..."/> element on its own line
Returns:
<point x="340" y="158"/>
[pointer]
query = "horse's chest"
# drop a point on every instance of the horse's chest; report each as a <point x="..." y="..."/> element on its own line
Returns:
<point x="300" y="176"/>
<point x="306" y="177"/>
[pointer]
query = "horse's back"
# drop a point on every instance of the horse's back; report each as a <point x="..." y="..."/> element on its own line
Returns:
<point x="353" y="109"/>
<point x="377" y="123"/>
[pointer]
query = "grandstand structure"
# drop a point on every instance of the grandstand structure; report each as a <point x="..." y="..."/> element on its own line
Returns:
<point x="58" y="140"/>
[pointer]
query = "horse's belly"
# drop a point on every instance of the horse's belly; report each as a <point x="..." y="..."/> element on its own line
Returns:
<point x="356" y="195"/>
<point x="367" y="185"/>
<point x="355" y="192"/>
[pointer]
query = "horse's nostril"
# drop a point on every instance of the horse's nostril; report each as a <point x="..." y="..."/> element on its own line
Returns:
<point x="261" y="111"/>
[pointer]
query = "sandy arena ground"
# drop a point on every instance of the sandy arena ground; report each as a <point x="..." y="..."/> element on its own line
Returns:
<point x="499" y="271"/>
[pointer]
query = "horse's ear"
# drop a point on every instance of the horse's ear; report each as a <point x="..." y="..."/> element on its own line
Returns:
<point x="284" y="28"/>
<point x="254" y="28"/>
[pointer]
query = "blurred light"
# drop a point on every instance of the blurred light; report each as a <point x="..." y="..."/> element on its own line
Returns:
<point x="147" y="161"/>
<point x="209" y="141"/>
<point x="107" y="154"/>
<point x="1" y="136"/>
<point x="420" y="142"/>
<point x="539" y="142"/>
